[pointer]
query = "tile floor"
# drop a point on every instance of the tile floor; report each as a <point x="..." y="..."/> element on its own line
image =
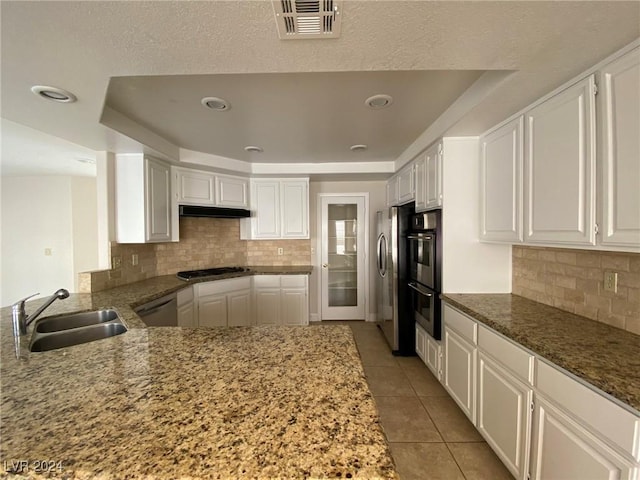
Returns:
<point x="429" y="436"/>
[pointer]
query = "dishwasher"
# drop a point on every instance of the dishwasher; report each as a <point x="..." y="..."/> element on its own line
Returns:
<point x="162" y="312"/>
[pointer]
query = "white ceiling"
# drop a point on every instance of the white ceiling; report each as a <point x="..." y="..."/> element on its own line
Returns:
<point x="80" y="46"/>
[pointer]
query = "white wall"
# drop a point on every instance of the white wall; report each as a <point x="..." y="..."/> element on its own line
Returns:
<point x="376" y="192"/>
<point x="38" y="213"/>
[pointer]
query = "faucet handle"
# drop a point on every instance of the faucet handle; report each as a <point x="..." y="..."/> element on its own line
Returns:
<point x="20" y="303"/>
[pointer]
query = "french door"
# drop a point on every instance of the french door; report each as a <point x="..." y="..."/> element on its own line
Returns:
<point x="343" y="257"/>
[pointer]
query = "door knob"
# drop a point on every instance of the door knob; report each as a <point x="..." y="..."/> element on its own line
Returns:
<point x="324" y="265"/>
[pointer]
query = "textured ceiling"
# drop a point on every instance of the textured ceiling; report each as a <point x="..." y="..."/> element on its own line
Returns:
<point x="81" y="45"/>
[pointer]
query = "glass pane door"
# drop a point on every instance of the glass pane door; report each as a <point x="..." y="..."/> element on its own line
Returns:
<point x="343" y="236"/>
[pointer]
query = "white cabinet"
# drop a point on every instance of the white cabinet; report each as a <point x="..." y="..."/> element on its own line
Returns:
<point x="620" y="110"/>
<point x="186" y="308"/>
<point x="434" y="176"/>
<point x="232" y="192"/>
<point x="501" y="163"/>
<point x="392" y="191"/>
<point x="281" y="299"/>
<point x="143" y="199"/>
<point x="563" y="449"/>
<point x="224" y="303"/>
<point x="420" y="173"/>
<point x="195" y="187"/>
<point x="434" y="356"/>
<point x="280" y="210"/>
<point x="421" y="343"/>
<point x="459" y="371"/>
<point x="504" y="414"/>
<point x="406" y="185"/>
<point x="560" y="168"/>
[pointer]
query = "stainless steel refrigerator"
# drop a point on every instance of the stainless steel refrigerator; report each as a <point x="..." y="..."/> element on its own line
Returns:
<point x="394" y="305"/>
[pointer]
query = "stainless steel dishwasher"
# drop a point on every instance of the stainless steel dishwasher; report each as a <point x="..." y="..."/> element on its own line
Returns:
<point x="162" y="312"/>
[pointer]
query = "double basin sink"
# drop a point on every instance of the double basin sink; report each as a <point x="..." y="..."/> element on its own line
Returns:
<point x="63" y="331"/>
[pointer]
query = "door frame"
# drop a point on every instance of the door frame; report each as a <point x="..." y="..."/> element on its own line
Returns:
<point x="318" y="247"/>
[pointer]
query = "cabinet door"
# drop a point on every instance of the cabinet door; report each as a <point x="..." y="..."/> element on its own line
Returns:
<point x="421" y="343"/>
<point x="232" y="192"/>
<point x="434" y="356"/>
<point x="212" y="311"/>
<point x="266" y="202"/>
<point x="392" y="192"/>
<point x="459" y="371"/>
<point x="195" y="188"/>
<point x="563" y="449"/>
<point x="295" y="309"/>
<point x="267" y="305"/>
<point x="501" y="156"/>
<point x="186" y="315"/>
<point x="621" y="151"/>
<point x="504" y="415"/>
<point x="560" y="167"/>
<point x="406" y="186"/>
<point x="434" y="176"/>
<point x="295" y="209"/>
<point x="421" y="183"/>
<point x="239" y="308"/>
<point x="158" y="201"/>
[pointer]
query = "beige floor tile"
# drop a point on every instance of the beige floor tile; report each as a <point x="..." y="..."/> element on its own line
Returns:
<point x="453" y="425"/>
<point x="423" y="381"/>
<point x="404" y="419"/>
<point x="425" y="461"/>
<point x="388" y="382"/>
<point x="374" y="356"/>
<point x="478" y="462"/>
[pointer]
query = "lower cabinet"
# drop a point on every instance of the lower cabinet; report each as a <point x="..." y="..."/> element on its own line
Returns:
<point x="223" y="303"/>
<point x="430" y="351"/>
<point x="562" y="448"/>
<point x="281" y="299"/>
<point x="460" y="366"/>
<point x="504" y="414"/>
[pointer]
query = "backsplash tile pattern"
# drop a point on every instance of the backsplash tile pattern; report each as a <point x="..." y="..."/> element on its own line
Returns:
<point x="573" y="280"/>
<point x="204" y="242"/>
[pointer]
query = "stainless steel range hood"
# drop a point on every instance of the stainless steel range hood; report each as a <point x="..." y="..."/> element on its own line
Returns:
<point x="213" y="212"/>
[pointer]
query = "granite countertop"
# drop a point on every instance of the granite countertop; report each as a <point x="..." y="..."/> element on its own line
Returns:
<point x="168" y="402"/>
<point x="604" y="356"/>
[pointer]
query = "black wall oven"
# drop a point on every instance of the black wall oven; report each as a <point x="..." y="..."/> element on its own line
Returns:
<point x="425" y="259"/>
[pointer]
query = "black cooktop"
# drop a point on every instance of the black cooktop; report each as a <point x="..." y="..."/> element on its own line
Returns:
<point x="207" y="272"/>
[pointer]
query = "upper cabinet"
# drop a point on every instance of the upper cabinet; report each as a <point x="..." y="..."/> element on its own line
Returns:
<point x="501" y="156"/>
<point x="392" y="191"/>
<point x="428" y="178"/>
<point x="560" y="168"/>
<point x="566" y="173"/>
<point x="280" y="210"/>
<point x="406" y="185"/>
<point x="620" y="110"/>
<point x="143" y="199"/>
<point x="195" y="187"/>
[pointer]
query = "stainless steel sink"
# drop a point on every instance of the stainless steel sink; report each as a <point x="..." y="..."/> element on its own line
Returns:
<point x="69" y="330"/>
<point x="75" y="320"/>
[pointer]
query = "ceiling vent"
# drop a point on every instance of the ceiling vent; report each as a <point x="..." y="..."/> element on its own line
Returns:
<point x="300" y="19"/>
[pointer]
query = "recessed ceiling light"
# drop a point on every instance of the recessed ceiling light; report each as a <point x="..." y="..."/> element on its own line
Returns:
<point x="253" y="148"/>
<point x="358" y="148"/>
<point x="215" y="103"/>
<point x="53" y="93"/>
<point x="379" y="101"/>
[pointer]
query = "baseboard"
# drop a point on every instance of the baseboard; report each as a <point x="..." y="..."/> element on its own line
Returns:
<point x="371" y="317"/>
<point x="314" y="317"/>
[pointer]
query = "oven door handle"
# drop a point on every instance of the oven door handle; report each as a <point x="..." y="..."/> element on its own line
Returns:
<point x="420" y="290"/>
<point x="419" y="237"/>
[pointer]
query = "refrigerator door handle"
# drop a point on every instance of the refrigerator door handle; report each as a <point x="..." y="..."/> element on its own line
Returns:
<point x="382" y="255"/>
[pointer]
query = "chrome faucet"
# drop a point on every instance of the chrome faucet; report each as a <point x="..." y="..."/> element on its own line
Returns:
<point x="20" y="319"/>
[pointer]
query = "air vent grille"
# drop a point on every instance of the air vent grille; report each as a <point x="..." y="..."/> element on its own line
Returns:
<point x="307" y="19"/>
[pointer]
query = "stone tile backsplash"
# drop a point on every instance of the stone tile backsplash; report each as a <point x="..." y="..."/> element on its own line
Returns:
<point x="204" y="243"/>
<point x="573" y="280"/>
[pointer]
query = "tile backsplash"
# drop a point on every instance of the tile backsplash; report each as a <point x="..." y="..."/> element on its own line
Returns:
<point x="573" y="280"/>
<point x="204" y="242"/>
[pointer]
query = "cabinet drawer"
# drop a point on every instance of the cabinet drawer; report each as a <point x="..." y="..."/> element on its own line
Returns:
<point x="266" y="281"/>
<point x="601" y="415"/>
<point x="223" y="286"/>
<point x="462" y="324"/>
<point x="287" y="281"/>
<point x="506" y="352"/>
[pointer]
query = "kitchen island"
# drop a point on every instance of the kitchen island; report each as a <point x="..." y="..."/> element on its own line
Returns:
<point x="169" y="402"/>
